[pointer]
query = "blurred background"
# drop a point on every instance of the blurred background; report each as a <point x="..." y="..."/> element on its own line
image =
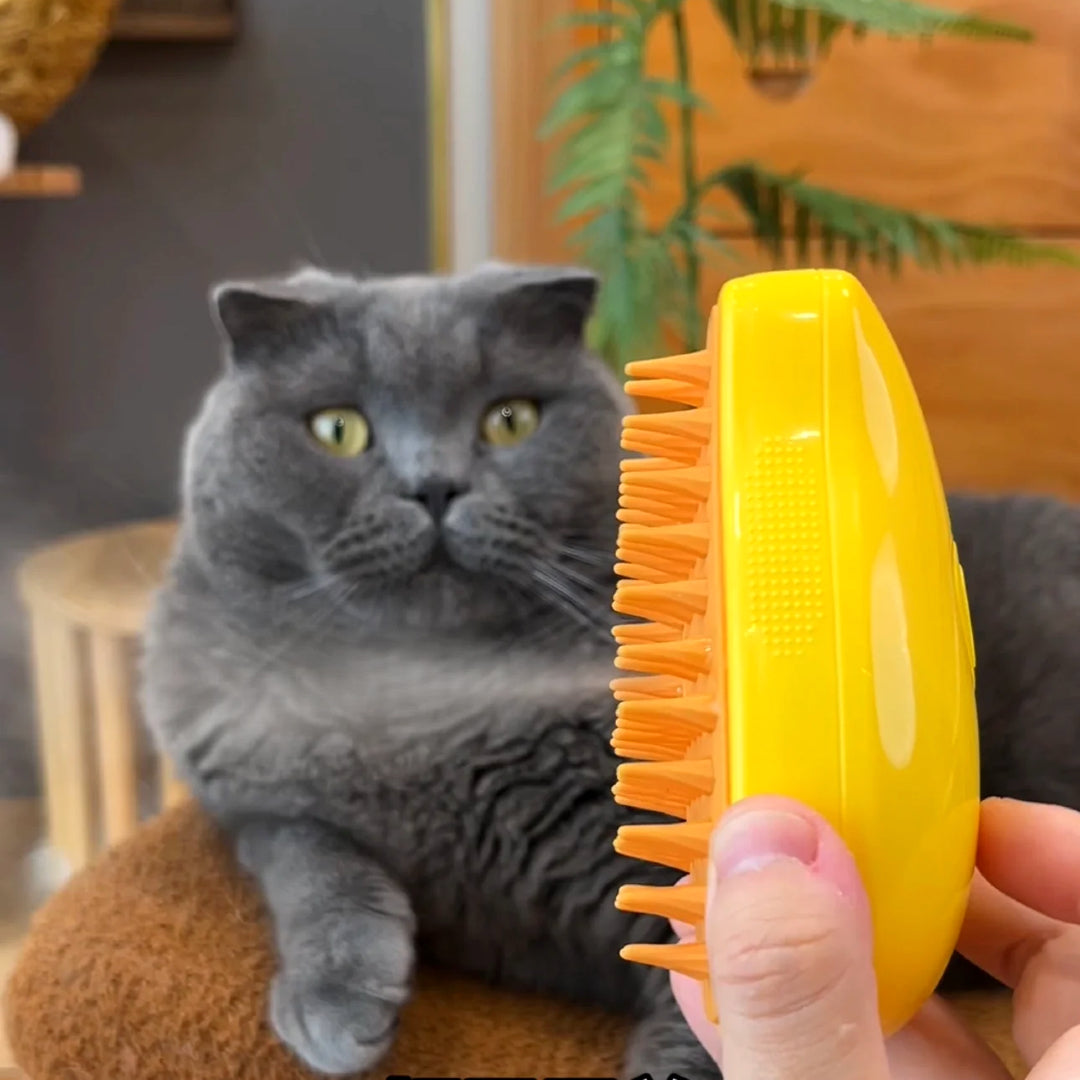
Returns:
<point x="163" y="145"/>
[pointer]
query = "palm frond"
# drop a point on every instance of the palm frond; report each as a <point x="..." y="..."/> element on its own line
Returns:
<point x="639" y="286"/>
<point x="583" y="57"/>
<point x="600" y="90"/>
<point x="604" y="20"/>
<point x="905" y="18"/>
<point x="803" y="30"/>
<point x="781" y="206"/>
<point x="610" y="124"/>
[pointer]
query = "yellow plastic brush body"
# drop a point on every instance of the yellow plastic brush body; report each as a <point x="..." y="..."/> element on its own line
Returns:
<point x="788" y="539"/>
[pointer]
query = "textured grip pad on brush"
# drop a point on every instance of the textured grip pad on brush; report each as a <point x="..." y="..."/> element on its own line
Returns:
<point x="786" y="529"/>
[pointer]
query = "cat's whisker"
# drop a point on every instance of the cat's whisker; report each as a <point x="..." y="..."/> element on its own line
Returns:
<point x="337" y="595"/>
<point x="539" y="633"/>
<point x="570" y="602"/>
<point x="585" y="583"/>
<point x="302" y="590"/>
<point x="601" y="560"/>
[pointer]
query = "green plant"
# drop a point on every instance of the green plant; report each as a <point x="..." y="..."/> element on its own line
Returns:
<point x="610" y="127"/>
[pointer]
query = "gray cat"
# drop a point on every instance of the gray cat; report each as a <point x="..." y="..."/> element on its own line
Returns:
<point x="382" y="655"/>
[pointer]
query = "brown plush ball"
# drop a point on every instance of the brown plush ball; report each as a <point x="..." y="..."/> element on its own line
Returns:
<point x="153" y="964"/>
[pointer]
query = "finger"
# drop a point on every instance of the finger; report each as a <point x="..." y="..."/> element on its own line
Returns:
<point x="1047" y="999"/>
<point x="790" y="953"/>
<point x="683" y="931"/>
<point x="691" y="1001"/>
<point x="1061" y="1061"/>
<point x="1029" y="852"/>
<point x="936" y="1045"/>
<point x="1001" y="935"/>
<point x="1038" y="957"/>
<point x="689" y="995"/>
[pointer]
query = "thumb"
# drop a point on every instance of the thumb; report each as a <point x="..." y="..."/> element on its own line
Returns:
<point x="790" y="954"/>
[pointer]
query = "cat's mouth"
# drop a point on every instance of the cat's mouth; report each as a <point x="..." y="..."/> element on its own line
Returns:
<point x="476" y="544"/>
<point x="439" y="556"/>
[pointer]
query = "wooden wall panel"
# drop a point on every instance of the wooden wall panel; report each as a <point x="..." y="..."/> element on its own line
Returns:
<point x="527" y="45"/>
<point x="989" y="131"/>
<point x="983" y="130"/>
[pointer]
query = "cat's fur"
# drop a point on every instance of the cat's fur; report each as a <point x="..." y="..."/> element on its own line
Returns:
<point x="405" y="723"/>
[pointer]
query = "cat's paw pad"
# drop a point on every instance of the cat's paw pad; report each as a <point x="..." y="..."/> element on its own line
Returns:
<point x="334" y="1026"/>
<point x="342" y="983"/>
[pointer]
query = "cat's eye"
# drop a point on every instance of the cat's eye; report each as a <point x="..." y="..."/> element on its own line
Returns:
<point x="342" y="432"/>
<point x="510" y="422"/>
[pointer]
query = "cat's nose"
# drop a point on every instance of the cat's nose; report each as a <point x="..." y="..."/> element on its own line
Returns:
<point x="435" y="496"/>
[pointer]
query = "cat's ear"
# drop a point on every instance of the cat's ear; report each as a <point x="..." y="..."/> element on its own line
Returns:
<point x="547" y="305"/>
<point x="260" y="320"/>
<point x="251" y="320"/>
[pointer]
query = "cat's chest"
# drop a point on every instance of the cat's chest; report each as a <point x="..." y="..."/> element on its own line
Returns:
<point x="507" y="855"/>
<point x="508" y="834"/>
<point x="458" y="746"/>
<point x="491" y="791"/>
<point x="422" y="702"/>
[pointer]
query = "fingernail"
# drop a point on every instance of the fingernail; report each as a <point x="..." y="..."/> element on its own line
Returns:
<point x="756" y="838"/>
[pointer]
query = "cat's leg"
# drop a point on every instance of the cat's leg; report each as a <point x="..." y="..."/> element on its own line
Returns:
<point x="344" y="931"/>
<point x="661" y="1044"/>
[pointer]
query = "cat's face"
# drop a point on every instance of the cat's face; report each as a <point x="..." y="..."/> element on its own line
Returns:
<point x="422" y="452"/>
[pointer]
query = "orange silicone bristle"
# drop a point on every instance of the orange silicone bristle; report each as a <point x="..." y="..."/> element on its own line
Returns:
<point x="644" y="689"/>
<point x="696" y="713"/>
<point x="648" y="512"/>
<point x="677" y="846"/>
<point x="657" y="800"/>
<point x="692" y="367"/>
<point x="672" y="603"/>
<point x="669" y="719"/>
<point x="677" y="453"/>
<point x="639" y="487"/>
<point x="690" y="426"/>
<point x="689" y="959"/>
<point x="657" y="573"/>
<point x="687" y="659"/>
<point x="649" y="748"/>
<point x="683" y="903"/>
<point x="646" y="464"/>
<point x="644" y="561"/>
<point x="679" y="506"/>
<point x="640" y="633"/>
<point x="682" y="393"/>
<point x="680" y="447"/>
<point x="675" y="540"/>
<point x="645" y="517"/>
<point x="690" y="484"/>
<point x="668" y="787"/>
<point x="639" y="744"/>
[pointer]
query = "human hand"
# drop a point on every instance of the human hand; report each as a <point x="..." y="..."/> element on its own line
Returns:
<point x="790" y="948"/>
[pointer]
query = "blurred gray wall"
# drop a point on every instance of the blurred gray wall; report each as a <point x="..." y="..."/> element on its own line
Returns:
<point x="304" y="140"/>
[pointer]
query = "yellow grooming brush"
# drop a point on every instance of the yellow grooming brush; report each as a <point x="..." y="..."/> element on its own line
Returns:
<point x="787" y="540"/>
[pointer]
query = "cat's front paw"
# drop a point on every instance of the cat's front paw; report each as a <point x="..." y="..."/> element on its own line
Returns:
<point x="338" y="1012"/>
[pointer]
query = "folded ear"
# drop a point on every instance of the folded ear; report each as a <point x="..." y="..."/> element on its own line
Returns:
<point x="260" y="320"/>
<point x="546" y="305"/>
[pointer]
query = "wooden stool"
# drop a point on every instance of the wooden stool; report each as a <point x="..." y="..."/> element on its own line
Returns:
<point x="87" y="598"/>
